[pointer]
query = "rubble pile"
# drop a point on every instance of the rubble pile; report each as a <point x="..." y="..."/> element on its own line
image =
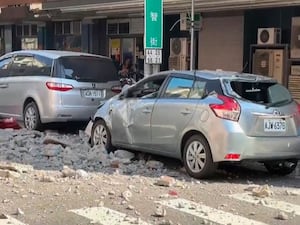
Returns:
<point x="68" y="153"/>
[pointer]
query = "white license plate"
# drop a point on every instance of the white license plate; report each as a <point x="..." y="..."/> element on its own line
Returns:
<point x="274" y="125"/>
<point x="94" y="93"/>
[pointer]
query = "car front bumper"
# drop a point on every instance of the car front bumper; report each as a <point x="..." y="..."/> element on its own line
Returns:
<point x="88" y="129"/>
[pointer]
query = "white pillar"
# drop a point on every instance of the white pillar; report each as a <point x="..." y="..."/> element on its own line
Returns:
<point x="156" y="68"/>
<point x="147" y="69"/>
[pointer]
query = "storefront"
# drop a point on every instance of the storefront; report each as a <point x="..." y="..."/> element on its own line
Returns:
<point x="26" y="36"/>
<point x="67" y="35"/>
<point x="126" y="41"/>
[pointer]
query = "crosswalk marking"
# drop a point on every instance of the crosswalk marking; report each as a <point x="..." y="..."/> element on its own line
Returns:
<point x="268" y="202"/>
<point x="5" y="220"/>
<point x="208" y="213"/>
<point x="106" y="216"/>
<point x="293" y="191"/>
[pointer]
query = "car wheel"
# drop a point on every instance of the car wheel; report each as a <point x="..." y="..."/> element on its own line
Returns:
<point x="197" y="158"/>
<point x="282" y="168"/>
<point x="31" y="116"/>
<point x="101" y="136"/>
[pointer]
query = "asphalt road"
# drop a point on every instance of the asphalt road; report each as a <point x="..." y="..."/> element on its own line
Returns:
<point x="98" y="199"/>
<point x="112" y="197"/>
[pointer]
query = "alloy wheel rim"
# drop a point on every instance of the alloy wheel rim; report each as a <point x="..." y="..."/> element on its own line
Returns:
<point x="100" y="135"/>
<point x="30" y="118"/>
<point x="195" y="156"/>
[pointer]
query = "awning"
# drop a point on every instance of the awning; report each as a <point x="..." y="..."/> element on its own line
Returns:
<point x="108" y="7"/>
<point x="5" y="3"/>
<point x="14" y="14"/>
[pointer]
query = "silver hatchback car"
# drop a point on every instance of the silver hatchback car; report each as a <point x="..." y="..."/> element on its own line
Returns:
<point x="54" y="86"/>
<point x="203" y="118"/>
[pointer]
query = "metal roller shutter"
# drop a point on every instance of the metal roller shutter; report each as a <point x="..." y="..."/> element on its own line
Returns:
<point x="221" y="43"/>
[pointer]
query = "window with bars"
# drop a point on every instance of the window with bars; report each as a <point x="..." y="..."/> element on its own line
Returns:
<point x="26" y="30"/>
<point x="114" y="28"/>
<point x="67" y="27"/>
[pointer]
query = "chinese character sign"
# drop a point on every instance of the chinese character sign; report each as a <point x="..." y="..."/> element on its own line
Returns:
<point x="153" y="23"/>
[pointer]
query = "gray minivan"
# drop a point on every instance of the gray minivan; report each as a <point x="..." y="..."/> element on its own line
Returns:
<point x="43" y="86"/>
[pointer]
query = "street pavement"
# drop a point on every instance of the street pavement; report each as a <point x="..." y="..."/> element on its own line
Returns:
<point x="50" y="178"/>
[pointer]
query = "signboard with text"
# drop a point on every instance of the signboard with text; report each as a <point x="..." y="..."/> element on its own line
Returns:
<point x="153" y="56"/>
<point x="153" y="24"/>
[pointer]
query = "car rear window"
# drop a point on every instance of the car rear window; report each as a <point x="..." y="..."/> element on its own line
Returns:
<point x="87" y="69"/>
<point x="262" y="92"/>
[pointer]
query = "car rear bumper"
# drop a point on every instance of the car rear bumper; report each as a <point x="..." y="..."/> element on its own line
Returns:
<point x="259" y="148"/>
<point x="65" y="114"/>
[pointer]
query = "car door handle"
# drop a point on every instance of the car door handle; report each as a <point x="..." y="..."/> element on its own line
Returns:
<point x="186" y="112"/>
<point x="146" y="111"/>
<point x="3" y="85"/>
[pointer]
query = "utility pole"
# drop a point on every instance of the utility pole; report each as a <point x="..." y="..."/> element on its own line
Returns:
<point x="192" y="30"/>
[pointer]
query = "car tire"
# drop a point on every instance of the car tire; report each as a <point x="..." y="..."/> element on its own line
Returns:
<point x="101" y="136"/>
<point x="31" y="117"/>
<point x="282" y="168"/>
<point x="197" y="158"/>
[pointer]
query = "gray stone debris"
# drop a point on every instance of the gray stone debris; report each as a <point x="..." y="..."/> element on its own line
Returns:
<point x="19" y="212"/>
<point x="160" y="211"/>
<point x="122" y="154"/>
<point x="68" y="172"/>
<point x="282" y="216"/>
<point x="9" y="174"/>
<point x="165" y="181"/>
<point x="81" y="174"/>
<point x="127" y="195"/>
<point x="152" y="164"/>
<point x="71" y="154"/>
<point x="262" y="191"/>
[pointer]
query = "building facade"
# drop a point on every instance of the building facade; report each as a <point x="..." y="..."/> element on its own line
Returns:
<point x="227" y="32"/>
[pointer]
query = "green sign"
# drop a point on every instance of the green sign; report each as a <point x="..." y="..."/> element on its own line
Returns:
<point x="153" y="24"/>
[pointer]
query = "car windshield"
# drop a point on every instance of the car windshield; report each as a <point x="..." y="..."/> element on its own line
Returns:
<point x="268" y="93"/>
<point x="87" y="69"/>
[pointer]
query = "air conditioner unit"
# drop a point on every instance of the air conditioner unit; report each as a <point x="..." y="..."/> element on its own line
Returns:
<point x="268" y="36"/>
<point x="179" y="46"/>
<point x="178" y="62"/>
<point x="269" y="62"/>
<point x="295" y="38"/>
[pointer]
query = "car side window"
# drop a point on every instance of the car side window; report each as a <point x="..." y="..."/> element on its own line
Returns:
<point x="4" y="67"/>
<point x="199" y="89"/>
<point x="22" y="66"/>
<point x="147" y="89"/>
<point x="178" y="88"/>
<point x="41" y="66"/>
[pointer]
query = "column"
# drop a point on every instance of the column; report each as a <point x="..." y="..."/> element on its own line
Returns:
<point x="8" y="38"/>
<point x="41" y="36"/>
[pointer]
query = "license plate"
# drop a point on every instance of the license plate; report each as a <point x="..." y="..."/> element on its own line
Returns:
<point x="94" y="93"/>
<point x="274" y="125"/>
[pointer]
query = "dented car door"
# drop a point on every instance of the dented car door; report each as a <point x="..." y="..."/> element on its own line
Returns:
<point x="131" y="122"/>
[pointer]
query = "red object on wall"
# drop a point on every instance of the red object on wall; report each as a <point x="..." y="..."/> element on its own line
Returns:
<point x="9" y="123"/>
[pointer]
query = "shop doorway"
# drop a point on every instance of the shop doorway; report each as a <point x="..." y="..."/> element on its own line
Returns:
<point x="121" y="49"/>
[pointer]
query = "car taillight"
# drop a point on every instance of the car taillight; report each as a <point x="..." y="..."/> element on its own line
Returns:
<point x="229" y="109"/>
<point x="232" y="156"/>
<point x="58" y="86"/>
